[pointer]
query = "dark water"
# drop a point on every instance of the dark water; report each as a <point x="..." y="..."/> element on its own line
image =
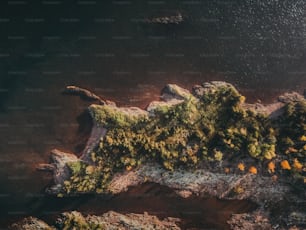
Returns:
<point x="259" y="46"/>
<point x="195" y="212"/>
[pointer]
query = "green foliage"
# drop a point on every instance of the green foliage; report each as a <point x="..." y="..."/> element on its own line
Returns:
<point x="252" y="134"/>
<point x="110" y="116"/>
<point x="291" y="128"/>
<point x="291" y="135"/>
<point x="75" y="166"/>
<point x="85" y="178"/>
<point x="75" y="220"/>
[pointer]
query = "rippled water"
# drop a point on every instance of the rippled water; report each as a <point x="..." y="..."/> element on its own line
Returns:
<point x="259" y="46"/>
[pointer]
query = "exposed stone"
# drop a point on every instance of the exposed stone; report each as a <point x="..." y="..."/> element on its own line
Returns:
<point x="31" y="223"/>
<point x="202" y="182"/>
<point x="250" y="221"/>
<point x="59" y="167"/>
<point x="290" y="97"/>
<point x="171" y="95"/>
<point x="84" y="93"/>
<point x="97" y="132"/>
<point x="172" y="91"/>
<point x="171" y="19"/>
<point x="113" y="220"/>
<point x="45" y="167"/>
<point x="108" y="221"/>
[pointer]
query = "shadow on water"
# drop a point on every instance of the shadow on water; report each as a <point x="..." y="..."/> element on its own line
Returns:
<point x="195" y="212"/>
<point x="84" y="130"/>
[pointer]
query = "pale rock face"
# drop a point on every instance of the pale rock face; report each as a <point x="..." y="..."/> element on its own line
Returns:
<point x="201" y="183"/>
<point x="60" y="170"/>
<point x="172" y="91"/>
<point x="290" y="97"/>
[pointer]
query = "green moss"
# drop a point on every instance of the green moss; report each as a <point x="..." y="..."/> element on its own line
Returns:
<point x="110" y="116"/>
<point x="85" y="178"/>
<point x="75" y="166"/>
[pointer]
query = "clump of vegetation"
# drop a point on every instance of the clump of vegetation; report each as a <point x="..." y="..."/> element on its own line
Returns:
<point x="75" y="220"/>
<point x="291" y="128"/>
<point x="211" y="126"/>
<point x="86" y="178"/>
<point x="291" y="139"/>
<point x="291" y="131"/>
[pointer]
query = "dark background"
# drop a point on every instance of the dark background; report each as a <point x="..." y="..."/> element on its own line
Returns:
<point x="259" y="46"/>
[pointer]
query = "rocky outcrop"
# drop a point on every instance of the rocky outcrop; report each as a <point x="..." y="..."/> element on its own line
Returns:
<point x="166" y="20"/>
<point x="261" y="220"/>
<point x="263" y="189"/>
<point x="85" y="94"/>
<point x="114" y="220"/>
<point x="108" y="221"/>
<point x="31" y="223"/>
<point x="204" y="183"/>
<point x="275" y="109"/>
<point x="250" y="221"/>
<point x="97" y="132"/>
<point x="59" y="168"/>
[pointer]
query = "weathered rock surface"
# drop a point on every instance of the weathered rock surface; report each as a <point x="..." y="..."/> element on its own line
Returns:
<point x="202" y="182"/>
<point x="59" y="167"/>
<point x="31" y="223"/>
<point x="96" y="133"/>
<point x="171" y="19"/>
<point x="112" y="220"/>
<point x="251" y="221"/>
<point x="108" y="221"/>
<point x="85" y="94"/>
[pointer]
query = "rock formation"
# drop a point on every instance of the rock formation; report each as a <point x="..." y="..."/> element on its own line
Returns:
<point x="269" y="140"/>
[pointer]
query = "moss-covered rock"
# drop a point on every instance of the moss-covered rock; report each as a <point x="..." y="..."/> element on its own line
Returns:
<point x="31" y="223"/>
<point x="211" y="124"/>
<point x="108" y="221"/>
